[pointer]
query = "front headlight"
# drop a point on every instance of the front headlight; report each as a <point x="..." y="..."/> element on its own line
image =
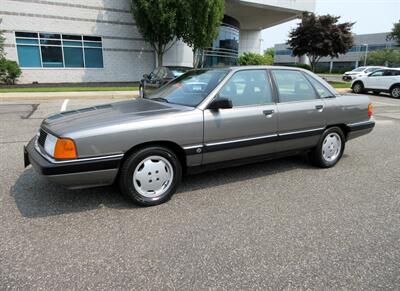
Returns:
<point x="60" y="148"/>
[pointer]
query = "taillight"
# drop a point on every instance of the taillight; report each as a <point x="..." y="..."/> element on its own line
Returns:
<point x="370" y="110"/>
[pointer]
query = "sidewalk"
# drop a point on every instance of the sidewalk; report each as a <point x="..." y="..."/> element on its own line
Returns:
<point x="70" y="95"/>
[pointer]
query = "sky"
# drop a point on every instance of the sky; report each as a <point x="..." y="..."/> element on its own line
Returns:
<point x="371" y="16"/>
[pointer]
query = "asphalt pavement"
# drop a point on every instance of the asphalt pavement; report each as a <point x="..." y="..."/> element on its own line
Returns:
<point x="275" y="225"/>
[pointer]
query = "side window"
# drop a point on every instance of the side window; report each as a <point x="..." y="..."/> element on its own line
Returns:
<point x="250" y="87"/>
<point x="293" y="86"/>
<point x="322" y="91"/>
<point x="396" y="73"/>
<point x="388" y="73"/>
<point x="378" y="73"/>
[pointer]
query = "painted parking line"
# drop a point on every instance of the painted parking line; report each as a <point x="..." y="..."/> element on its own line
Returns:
<point x="64" y="105"/>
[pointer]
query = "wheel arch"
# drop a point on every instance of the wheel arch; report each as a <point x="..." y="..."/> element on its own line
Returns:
<point x="394" y="85"/>
<point x="343" y="127"/>
<point x="174" y="147"/>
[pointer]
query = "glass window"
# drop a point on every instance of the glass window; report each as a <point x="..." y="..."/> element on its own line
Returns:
<point x="293" y="86"/>
<point x="51" y="50"/>
<point x="92" y="38"/>
<point x="322" y="91"/>
<point x="248" y="88"/>
<point x="26" y="34"/>
<point x="52" y="57"/>
<point x="49" y="35"/>
<point x="72" y="37"/>
<point x="93" y="58"/>
<point x="28" y="56"/>
<point x="191" y="88"/>
<point x="73" y="57"/>
<point x="377" y="73"/>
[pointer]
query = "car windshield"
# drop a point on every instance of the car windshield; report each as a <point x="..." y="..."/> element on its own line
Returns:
<point x="191" y="88"/>
<point x="360" y="69"/>
<point x="177" y="71"/>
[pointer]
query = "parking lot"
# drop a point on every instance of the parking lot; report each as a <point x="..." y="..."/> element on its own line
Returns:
<point x="275" y="225"/>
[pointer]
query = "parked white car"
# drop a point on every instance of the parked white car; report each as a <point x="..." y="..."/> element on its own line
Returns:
<point x="386" y="80"/>
<point x="360" y="72"/>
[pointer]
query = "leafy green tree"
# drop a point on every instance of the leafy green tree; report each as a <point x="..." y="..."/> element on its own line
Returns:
<point x="198" y="24"/>
<point x="9" y="71"/>
<point x="253" y="59"/>
<point x="2" y="39"/>
<point x="320" y="36"/>
<point x="385" y="57"/>
<point x="270" y="51"/>
<point x="156" y="21"/>
<point x="395" y="33"/>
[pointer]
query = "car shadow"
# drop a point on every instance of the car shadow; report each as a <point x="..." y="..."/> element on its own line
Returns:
<point x="37" y="198"/>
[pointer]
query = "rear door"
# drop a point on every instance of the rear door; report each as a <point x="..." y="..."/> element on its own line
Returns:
<point x="300" y="109"/>
<point x="249" y="128"/>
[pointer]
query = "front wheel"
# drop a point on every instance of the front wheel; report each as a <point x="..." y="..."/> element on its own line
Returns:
<point x="150" y="176"/>
<point x="329" y="149"/>
<point x="395" y="92"/>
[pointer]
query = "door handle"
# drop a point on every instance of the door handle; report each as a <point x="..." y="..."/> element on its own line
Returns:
<point x="319" y="107"/>
<point x="268" y="112"/>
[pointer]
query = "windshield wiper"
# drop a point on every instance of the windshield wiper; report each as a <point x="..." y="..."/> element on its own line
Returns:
<point x="160" y="99"/>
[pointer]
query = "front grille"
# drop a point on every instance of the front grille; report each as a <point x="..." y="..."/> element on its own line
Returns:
<point x="42" y="138"/>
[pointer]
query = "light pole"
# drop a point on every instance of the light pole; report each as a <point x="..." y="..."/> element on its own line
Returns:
<point x="366" y="54"/>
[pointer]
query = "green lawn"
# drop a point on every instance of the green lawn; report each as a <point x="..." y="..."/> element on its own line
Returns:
<point x="340" y="85"/>
<point x="66" y="89"/>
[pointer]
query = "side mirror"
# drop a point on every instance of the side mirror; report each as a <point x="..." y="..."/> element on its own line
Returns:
<point x="220" y="103"/>
<point x="145" y="76"/>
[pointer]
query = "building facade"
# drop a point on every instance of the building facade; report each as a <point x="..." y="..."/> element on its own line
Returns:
<point x="363" y="44"/>
<point x="57" y="41"/>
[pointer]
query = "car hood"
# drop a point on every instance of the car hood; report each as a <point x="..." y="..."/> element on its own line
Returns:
<point x="66" y="123"/>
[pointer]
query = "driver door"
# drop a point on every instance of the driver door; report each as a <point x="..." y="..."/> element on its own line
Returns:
<point x="249" y="128"/>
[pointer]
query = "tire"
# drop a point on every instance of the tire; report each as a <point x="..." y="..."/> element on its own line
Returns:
<point x="395" y="92"/>
<point x="141" y="91"/>
<point x="150" y="176"/>
<point x="331" y="144"/>
<point x="358" y="88"/>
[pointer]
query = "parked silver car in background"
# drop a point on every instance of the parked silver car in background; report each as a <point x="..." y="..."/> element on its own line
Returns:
<point x="360" y="72"/>
<point x="204" y="119"/>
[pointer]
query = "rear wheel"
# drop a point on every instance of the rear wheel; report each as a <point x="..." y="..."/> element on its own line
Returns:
<point x="150" y="176"/>
<point x="329" y="149"/>
<point x="358" y="88"/>
<point x="395" y="92"/>
<point x="141" y="91"/>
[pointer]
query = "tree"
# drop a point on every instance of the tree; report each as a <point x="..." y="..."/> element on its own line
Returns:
<point x="270" y="51"/>
<point x="2" y="39"/>
<point x="198" y="24"/>
<point x="385" y="57"/>
<point x="156" y="21"/>
<point x="9" y="71"/>
<point x="395" y="33"/>
<point x="253" y="59"/>
<point x="320" y="36"/>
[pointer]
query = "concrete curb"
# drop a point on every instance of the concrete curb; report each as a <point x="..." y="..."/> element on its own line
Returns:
<point x="70" y="95"/>
<point x="343" y="90"/>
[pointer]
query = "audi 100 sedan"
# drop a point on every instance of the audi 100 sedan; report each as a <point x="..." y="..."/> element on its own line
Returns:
<point x="204" y="119"/>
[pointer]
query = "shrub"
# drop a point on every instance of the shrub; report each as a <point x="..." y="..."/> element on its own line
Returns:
<point x="9" y="71"/>
<point x="303" y="66"/>
<point x="253" y="59"/>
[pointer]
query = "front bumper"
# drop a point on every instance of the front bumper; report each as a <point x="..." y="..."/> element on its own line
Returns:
<point x="81" y="173"/>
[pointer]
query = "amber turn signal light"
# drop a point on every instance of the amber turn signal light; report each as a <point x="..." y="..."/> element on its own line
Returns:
<point x="370" y="110"/>
<point x="65" y="149"/>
